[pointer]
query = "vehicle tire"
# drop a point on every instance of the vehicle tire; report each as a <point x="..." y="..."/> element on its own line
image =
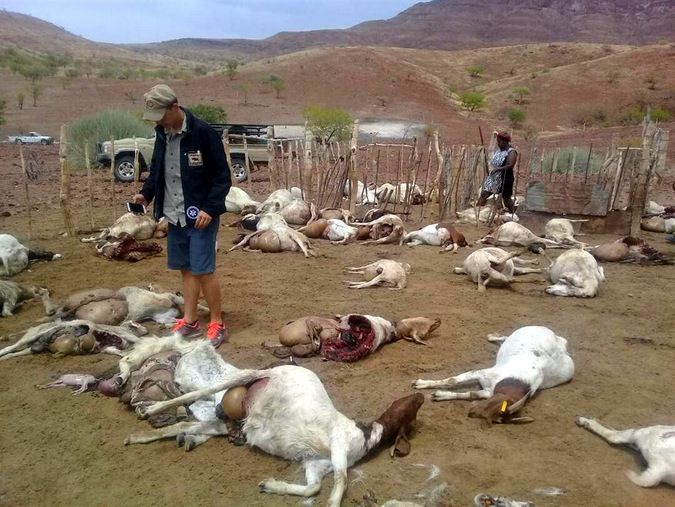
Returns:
<point x="18" y="141"/>
<point x="239" y="169"/>
<point x="44" y="142"/>
<point x="124" y="168"/>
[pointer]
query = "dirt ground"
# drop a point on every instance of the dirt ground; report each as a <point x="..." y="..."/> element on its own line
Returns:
<point x="62" y="450"/>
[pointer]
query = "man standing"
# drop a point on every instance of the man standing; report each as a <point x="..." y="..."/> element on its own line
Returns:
<point x="189" y="180"/>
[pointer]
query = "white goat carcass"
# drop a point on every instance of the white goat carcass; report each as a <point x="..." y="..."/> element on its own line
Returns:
<point x="276" y="238"/>
<point x="385" y="272"/>
<point x="468" y="216"/>
<point x="531" y="358"/>
<point x="238" y="201"/>
<point x="391" y="193"/>
<point x="386" y="229"/>
<point x="514" y="234"/>
<point x="276" y="201"/>
<point x="335" y="230"/>
<point x="656" y="444"/>
<point x="442" y="234"/>
<point x="575" y="273"/>
<point x="494" y="266"/>
<point x="561" y="231"/>
<point x="289" y="414"/>
<point x="140" y="227"/>
<point x="364" y="195"/>
<point x="14" y="257"/>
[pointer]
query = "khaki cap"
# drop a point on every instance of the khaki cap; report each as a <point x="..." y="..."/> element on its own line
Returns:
<point x="157" y="101"/>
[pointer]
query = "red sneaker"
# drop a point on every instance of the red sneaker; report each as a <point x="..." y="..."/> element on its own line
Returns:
<point x="185" y="329"/>
<point x="216" y="334"/>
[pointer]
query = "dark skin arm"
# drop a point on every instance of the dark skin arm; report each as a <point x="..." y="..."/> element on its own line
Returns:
<point x="509" y="163"/>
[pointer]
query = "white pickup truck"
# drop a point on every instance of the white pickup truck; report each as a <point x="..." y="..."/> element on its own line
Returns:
<point x="31" y="138"/>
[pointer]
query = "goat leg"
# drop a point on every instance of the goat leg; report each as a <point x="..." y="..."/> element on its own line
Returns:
<point x="240" y="378"/>
<point x="315" y="470"/>
<point x="481" y="394"/>
<point x="210" y="428"/>
<point x="24" y="352"/>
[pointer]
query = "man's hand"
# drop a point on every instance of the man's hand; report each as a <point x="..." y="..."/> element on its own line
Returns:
<point x="203" y="220"/>
<point x="140" y="199"/>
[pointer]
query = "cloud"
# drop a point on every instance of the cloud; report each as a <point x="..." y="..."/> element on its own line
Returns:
<point x="125" y="21"/>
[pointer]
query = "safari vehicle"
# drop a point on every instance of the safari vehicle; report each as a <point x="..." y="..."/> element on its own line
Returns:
<point x="256" y="146"/>
<point x="31" y="138"/>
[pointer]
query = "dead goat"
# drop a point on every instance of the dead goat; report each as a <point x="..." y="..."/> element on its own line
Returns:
<point x="655" y="443"/>
<point x="382" y="273"/>
<point x="441" y="234"/>
<point x="531" y="358"/>
<point x="14" y="257"/>
<point x="73" y="337"/>
<point x="494" y="266"/>
<point x="284" y="405"/>
<point x="13" y="294"/>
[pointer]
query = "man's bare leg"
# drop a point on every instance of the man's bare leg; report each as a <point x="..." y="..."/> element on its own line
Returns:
<point x="211" y="290"/>
<point x="191" y="287"/>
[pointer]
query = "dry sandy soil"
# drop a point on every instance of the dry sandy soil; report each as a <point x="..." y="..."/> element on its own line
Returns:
<point x="63" y="450"/>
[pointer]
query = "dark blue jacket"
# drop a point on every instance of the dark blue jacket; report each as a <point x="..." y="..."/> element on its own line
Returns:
<point x="204" y="186"/>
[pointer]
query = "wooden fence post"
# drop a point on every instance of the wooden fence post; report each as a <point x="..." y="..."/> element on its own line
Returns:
<point x="353" y="177"/>
<point x="638" y="205"/>
<point x="309" y="150"/>
<point x="64" y="196"/>
<point x="90" y="189"/>
<point x="25" y="185"/>
<point x="112" y="180"/>
<point x="137" y="171"/>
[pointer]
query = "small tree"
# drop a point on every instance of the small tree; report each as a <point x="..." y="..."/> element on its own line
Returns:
<point x="519" y="94"/>
<point x="72" y="73"/>
<point x="35" y="91"/>
<point x="3" y="102"/>
<point x="20" y="98"/>
<point x="65" y="81"/>
<point x="243" y="89"/>
<point x="208" y="113"/>
<point x="517" y="117"/>
<point x="278" y="85"/>
<point x="475" y="70"/>
<point x="472" y="101"/>
<point x="231" y="69"/>
<point x="651" y="82"/>
<point x="328" y="124"/>
<point x="201" y="70"/>
<point x="660" y="115"/>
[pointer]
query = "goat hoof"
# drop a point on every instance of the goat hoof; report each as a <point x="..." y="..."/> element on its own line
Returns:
<point x="189" y="443"/>
<point x="180" y="439"/>
<point x="581" y="421"/>
<point x="266" y="486"/>
<point x="127" y="441"/>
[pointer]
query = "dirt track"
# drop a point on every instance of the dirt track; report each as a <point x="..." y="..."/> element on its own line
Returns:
<point x="63" y="450"/>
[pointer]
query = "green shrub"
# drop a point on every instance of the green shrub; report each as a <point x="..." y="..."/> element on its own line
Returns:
<point x="208" y="113"/>
<point x="475" y="70"/>
<point x="565" y="157"/>
<point x="472" y="101"/>
<point x="107" y="71"/>
<point x="517" y="116"/>
<point x="3" y="102"/>
<point x="278" y="85"/>
<point x="231" y="69"/>
<point x="519" y="94"/>
<point x="633" y="115"/>
<point x="660" y="115"/>
<point x="590" y="115"/>
<point x="99" y="128"/>
<point x="328" y="124"/>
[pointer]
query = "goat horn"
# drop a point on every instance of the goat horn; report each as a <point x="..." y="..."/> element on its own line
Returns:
<point x="518" y="405"/>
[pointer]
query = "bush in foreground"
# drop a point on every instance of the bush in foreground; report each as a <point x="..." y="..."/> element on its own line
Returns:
<point x="99" y="128"/>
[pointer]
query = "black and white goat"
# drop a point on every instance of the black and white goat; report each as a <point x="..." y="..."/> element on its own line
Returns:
<point x="287" y="413"/>
<point x="655" y="443"/>
<point x="531" y="358"/>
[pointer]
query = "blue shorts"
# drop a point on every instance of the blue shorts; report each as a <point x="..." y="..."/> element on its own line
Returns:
<point x="192" y="249"/>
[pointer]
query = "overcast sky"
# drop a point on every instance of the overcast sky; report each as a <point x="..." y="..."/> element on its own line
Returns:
<point x="122" y="21"/>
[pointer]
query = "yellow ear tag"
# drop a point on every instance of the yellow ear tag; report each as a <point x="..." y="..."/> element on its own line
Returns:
<point x="504" y="404"/>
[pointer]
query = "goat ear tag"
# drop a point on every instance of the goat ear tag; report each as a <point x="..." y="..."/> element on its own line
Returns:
<point x="504" y="405"/>
<point x="195" y="158"/>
